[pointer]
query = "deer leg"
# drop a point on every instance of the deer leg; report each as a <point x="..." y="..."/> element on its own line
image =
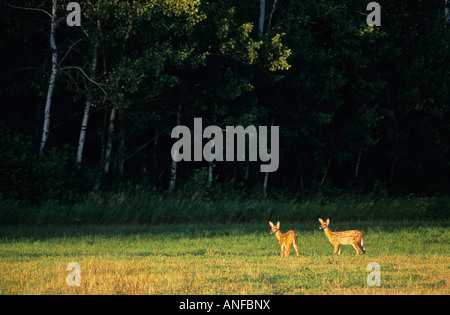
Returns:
<point x="356" y="247"/>
<point x="296" y="246"/>
<point x="360" y="244"/>
<point x="337" y="249"/>
<point x="288" y="250"/>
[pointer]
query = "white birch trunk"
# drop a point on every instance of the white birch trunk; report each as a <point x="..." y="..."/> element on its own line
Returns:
<point x="51" y="84"/>
<point x="84" y="123"/>
<point x="262" y="13"/>
<point x="87" y="110"/>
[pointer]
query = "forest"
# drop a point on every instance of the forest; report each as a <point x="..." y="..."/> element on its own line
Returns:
<point x="361" y="109"/>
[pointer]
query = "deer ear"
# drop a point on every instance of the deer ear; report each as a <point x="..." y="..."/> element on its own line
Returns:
<point x="271" y="224"/>
<point x="328" y="221"/>
<point x="278" y="224"/>
<point x="321" y="221"/>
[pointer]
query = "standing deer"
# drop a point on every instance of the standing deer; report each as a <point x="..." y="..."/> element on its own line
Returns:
<point x="286" y="239"/>
<point x="352" y="237"/>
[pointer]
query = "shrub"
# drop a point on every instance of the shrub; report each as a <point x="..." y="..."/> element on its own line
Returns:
<point x="29" y="178"/>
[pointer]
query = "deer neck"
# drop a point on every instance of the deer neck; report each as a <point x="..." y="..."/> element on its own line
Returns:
<point x="278" y="234"/>
<point x="327" y="232"/>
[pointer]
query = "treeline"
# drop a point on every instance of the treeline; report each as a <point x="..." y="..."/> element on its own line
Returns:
<point x="360" y="108"/>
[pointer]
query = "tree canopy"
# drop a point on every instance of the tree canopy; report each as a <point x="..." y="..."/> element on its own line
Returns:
<point x="360" y="107"/>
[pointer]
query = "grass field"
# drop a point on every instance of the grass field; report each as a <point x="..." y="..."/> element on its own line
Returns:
<point x="146" y="207"/>
<point x="223" y="259"/>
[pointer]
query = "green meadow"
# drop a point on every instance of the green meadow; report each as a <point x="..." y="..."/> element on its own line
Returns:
<point x="241" y="258"/>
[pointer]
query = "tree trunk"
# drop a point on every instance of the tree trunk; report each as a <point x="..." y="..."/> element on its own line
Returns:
<point x="103" y="137"/>
<point x="266" y="179"/>
<point x="82" y="137"/>
<point x="210" y="173"/>
<point x="211" y="168"/>
<point x="246" y="171"/>
<point x="447" y="13"/>
<point x="326" y="171"/>
<point x="391" y="176"/>
<point x="262" y="12"/>
<point x="87" y="110"/>
<point x="358" y="163"/>
<point x="51" y="84"/>
<point x="155" y="158"/>
<point x="173" y="169"/>
<point x="269" y="21"/>
<point x="109" y="141"/>
<point x="121" y="149"/>
<point x="266" y="175"/>
<point x="173" y="175"/>
<point x="112" y="117"/>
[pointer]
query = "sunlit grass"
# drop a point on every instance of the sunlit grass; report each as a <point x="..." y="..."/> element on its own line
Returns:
<point x="222" y="259"/>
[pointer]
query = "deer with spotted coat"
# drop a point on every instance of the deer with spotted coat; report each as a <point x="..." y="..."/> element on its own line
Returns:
<point x="285" y="239"/>
<point x="351" y="237"/>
